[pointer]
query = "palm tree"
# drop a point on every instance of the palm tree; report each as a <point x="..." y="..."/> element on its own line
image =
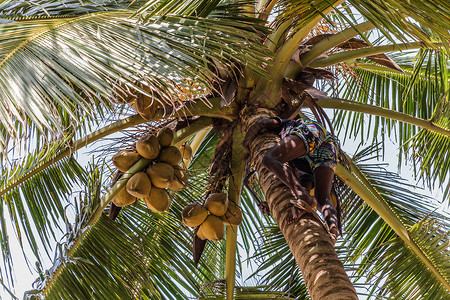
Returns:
<point x="66" y="68"/>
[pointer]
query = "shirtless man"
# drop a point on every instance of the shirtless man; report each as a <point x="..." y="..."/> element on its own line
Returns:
<point x="302" y="139"/>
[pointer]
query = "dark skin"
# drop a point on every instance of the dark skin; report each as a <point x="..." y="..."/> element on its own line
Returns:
<point x="289" y="148"/>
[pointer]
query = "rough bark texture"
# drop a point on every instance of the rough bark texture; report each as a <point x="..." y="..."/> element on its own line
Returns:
<point x="308" y="241"/>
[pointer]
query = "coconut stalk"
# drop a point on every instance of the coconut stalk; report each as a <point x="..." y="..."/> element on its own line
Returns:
<point x="234" y="194"/>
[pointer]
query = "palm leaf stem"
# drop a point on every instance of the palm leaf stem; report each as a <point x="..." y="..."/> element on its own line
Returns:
<point x="96" y="135"/>
<point x="363" y="52"/>
<point x="376" y="68"/>
<point x="334" y="40"/>
<point x="337" y="103"/>
<point x="283" y="57"/>
<point x="356" y="180"/>
<point x="379" y="68"/>
<point x="198" y="139"/>
<point x="274" y="39"/>
<point x="264" y="7"/>
<point x="211" y="107"/>
<point x="139" y="166"/>
<point x="234" y="194"/>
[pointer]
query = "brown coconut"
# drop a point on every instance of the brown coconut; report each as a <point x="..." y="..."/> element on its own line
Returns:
<point x="123" y="198"/>
<point x="180" y="179"/>
<point x="158" y="200"/>
<point x="171" y="155"/>
<point x="200" y="233"/>
<point x="161" y="175"/>
<point x="139" y="185"/>
<point x="125" y="159"/>
<point x="148" y="146"/>
<point x="186" y="151"/>
<point x="233" y="216"/>
<point x="194" y="215"/>
<point x="213" y="228"/>
<point x="217" y="204"/>
<point x="147" y="107"/>
<point x="165" y="137"/>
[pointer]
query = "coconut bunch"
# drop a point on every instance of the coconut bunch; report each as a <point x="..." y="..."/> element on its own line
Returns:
<point x="211" y="217"/>
<point x="163" y="172"/>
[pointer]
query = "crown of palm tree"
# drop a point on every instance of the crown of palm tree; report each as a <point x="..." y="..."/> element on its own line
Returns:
<point x="68" y="68"/>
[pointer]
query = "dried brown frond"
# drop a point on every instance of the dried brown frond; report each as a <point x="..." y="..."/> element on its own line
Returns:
<point x="220" y="167"/>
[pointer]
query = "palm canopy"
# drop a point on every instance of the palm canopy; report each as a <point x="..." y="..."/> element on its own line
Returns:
<point x="67" y="68"/>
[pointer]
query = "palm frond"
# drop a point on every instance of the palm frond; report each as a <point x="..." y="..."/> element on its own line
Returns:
<point x="420" y="92"/>
<point x="37" y="206"/>
<point x="411" y="19"/>
<point x="406" y="277"/>
<point x="142" y="253"/>
<point x="177" y="7"/>
<point x="398" y="20"/>
<point x="367" y="235"/>
<point x="74" y="63"/>
<point x="216" y="291"/>
<point x="22" y="9"/>
<point x="431" y="150"/>
<point x="277" y="265"/>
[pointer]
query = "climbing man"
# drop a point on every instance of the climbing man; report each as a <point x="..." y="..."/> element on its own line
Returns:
<point x="302" y="142"/>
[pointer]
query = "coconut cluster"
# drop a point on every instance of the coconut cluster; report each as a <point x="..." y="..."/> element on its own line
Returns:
<point x="211" y="217"/>
<point x="164" y="171"/>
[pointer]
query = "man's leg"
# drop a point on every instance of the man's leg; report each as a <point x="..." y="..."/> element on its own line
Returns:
<point x="287" y="149"/>
<point x="324" y="178"/>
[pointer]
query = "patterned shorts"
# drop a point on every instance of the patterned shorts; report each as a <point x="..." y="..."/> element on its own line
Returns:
<point x="322" y="147"/>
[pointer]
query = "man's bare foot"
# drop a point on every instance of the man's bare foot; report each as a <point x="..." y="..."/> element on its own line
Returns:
<point x="330" y="216"/>
<point x="295" y="214"/>
<point x="311" y="201"/>
<point x="264" y="208"/>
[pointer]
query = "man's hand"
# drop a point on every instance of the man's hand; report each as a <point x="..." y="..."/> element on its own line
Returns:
<point x="256" y="128"/>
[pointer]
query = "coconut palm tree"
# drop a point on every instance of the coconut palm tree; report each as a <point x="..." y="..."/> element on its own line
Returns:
<point x="68" y="68"/>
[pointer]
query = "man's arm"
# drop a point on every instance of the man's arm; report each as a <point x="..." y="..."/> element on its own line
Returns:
<point x="256" y="128"/>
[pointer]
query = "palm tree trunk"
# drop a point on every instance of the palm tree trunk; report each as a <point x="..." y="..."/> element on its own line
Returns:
<point x="308" y="241"/>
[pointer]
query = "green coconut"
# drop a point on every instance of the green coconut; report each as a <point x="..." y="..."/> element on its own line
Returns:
<point x="186" y="151"/>
<point x="213" y="228"/>
<point x="148" y="146"/>
<point x="165" y="137"/>
<point x="171" y="155"/>
<point x="180" y="179"/>
<point x="194" y="215"/>
<point x="233" y="216"/>
<point x="139" y="185"/>
<point x="161" y="175"/>
<point x="123" y="198"/>
<point x="217" y="204"/>
<point x="157" y="200"/>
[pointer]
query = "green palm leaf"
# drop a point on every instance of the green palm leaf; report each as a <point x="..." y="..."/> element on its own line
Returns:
<point x="404" y="275"/>
<point x="420" y="92"/>
<point x="38" y="205"/>
<point x="84" y="58"/>
<point x="368" y="235"/>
